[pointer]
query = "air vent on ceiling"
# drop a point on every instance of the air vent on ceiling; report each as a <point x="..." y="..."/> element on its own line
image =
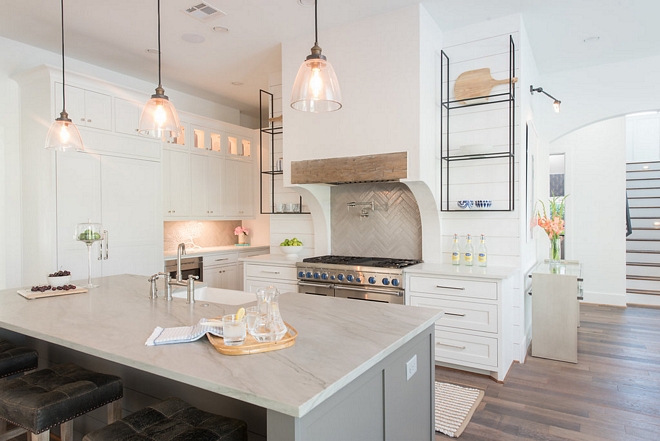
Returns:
<point x="204" y="12"/>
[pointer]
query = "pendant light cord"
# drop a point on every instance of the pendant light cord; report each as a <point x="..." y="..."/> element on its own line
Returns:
<point x="316" y="24"/>
<point x="63" y="82"/>
<point x="159" y="80"/>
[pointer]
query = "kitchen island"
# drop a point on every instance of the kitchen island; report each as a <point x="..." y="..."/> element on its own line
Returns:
<point x="345" y="378"/>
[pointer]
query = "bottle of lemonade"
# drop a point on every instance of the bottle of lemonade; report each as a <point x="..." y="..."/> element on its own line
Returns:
<point x="469" y="252"/>
<point x="455" y="252"/>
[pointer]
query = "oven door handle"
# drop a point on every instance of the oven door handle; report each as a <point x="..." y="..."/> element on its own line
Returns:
<point x="368" y="290"/>
<point x="316" y="285"/>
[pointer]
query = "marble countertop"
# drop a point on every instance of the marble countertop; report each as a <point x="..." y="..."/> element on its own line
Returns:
<point x="209" y="250"/>
<point x="272" y="259"/>
<point x="445" y="269"/>
<point x="339" y="339"/>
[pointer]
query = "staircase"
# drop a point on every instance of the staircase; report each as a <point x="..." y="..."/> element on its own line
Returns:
<point x="643" y="245"/>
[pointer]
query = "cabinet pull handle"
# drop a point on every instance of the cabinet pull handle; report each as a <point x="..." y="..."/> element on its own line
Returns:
<point x="224" y="258"/>
<point x="451" y="287"/>
<point x="455" y="313"/>
<point x="450" y="346"/>
<point x="82" y="119"/>
<point x="89" y="120"/>
<point x="270" y="272"/>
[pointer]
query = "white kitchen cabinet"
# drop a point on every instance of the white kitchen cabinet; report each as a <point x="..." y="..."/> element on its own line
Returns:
<point x="107" y="189"/>
<point x="239" y="192"/>
<point x="206" y="177"/>
<point x="177" y="194"/>
<point x="270" y="269"/>
<point x="221" y="270"/>
<point x="86" y="108"/>
<point x="475" y="332"/>
<point x="127" y="116"/>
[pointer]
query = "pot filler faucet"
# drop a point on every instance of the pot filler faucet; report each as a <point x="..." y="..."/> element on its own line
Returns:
<point x="189" y="284"/>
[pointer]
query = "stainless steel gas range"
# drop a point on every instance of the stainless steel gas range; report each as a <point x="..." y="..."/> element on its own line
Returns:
<point x="376" y="279"/>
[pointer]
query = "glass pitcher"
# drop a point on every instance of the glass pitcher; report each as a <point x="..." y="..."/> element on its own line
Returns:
<point x="269" y="325"/>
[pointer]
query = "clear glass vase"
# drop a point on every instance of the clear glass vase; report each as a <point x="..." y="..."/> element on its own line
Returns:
<point x="555" y="250"/>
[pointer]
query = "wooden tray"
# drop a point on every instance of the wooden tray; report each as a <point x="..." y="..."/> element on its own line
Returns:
<point x="251" y="346"/>
<point x="30" y="295"/>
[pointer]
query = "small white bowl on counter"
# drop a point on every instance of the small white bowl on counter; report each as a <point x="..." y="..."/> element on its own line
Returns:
<point x="59" y="280"/>
<point x="291" y="252"/>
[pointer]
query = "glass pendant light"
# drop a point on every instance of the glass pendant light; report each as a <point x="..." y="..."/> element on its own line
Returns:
<point x="316" y="88"/>
<point x="63" y="134"/>
<point x="159" y="118"/>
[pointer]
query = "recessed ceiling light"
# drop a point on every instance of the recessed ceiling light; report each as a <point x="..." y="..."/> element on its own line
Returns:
<point x="236" y="83"/>
<point x="220" y="29"/>
<point x="193" y="38"/>
<point x="591" y="39"/>
<point x="306" y="2"/>
<point x="152" y="51"/>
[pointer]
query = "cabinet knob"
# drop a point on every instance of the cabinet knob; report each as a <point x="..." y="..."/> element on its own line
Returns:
<point x="82" y="119"/>
<point x="89" y="120"/>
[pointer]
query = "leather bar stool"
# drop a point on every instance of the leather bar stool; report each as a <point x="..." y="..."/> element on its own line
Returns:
<point x="172" y="420"/>
<point x="43" y="399"/>
<point x="14" y="360"/>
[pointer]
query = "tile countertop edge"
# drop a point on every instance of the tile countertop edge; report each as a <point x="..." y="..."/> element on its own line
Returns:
<point x="272" y="259"/>
<point x="167" y="255"/>
<point x="477" y="272"/>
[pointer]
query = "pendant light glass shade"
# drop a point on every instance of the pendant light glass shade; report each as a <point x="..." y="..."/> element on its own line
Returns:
<point x="316" y="88"/>
<point x="159" y="118"/>
<point x="63" y="134"/>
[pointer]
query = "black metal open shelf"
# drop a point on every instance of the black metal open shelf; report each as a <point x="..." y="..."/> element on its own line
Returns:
<point x="448" y="105"/>
<point x="267" y="129"/>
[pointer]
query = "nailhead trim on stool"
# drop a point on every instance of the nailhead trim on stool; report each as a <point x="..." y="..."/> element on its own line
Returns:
<point x="172" y="420"/>
<point x="47" y="398"/>
<point x="14" y="359"/>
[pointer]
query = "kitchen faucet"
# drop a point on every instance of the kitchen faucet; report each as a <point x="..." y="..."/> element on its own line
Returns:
<point x="180" y="251"/>
<point x="190" y="283"/>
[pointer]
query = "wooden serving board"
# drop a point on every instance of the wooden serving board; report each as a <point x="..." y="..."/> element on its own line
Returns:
<point x="477" y="83"/>
<point x="251" y="346"/>
<point x="31" y="295"/>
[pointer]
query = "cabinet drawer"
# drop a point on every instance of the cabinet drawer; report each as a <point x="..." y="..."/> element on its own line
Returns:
<point x="454" y="287"/>
<point x="252" y="285"/>
<point x="453" y="347"/>
<point x="271" y="272"/>
<point x="220" y="259"/>
<point x="461" y="314"/>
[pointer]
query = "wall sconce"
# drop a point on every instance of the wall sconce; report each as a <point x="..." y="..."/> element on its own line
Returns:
<point x="556" y="104"/>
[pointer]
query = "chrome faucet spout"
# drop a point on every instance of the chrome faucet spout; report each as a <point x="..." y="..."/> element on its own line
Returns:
<point x="180" y="251"/>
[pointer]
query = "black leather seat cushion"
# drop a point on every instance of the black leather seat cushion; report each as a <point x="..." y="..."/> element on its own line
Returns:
<point x="14" y="359"/>
<point x="172" y="420"/>
<point x="49" y="397"/>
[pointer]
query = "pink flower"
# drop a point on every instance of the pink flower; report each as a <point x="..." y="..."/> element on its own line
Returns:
<point x="240" y="230"/>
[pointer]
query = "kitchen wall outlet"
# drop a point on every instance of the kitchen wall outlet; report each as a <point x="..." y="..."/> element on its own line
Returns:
<point x="411" y="367"/>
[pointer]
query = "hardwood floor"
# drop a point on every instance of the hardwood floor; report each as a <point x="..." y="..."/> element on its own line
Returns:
<point x="612" y="393"/>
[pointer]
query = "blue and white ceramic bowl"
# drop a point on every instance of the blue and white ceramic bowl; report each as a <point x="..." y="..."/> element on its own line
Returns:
<point x="483" y="203"/>
<point x="465" y="204"/>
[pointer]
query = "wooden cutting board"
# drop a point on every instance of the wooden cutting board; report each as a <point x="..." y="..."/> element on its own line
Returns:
<point x="476" y="83"/>
<point x="30" y="295"/>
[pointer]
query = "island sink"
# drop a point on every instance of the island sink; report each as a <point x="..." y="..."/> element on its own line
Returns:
<point x="217" y="295"/>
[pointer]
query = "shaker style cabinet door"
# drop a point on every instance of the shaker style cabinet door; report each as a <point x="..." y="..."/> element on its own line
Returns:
<point x="86" y="108"/>
<point x="176" y="183"/>
<point x="127" y="116"/>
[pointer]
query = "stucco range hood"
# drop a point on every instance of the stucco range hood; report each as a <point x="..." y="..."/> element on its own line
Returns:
<point x="386" y="167"/>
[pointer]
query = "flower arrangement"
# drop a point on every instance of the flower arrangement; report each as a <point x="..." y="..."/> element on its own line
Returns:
<point x="240" y="230"/>
<point x="552" y="222"/>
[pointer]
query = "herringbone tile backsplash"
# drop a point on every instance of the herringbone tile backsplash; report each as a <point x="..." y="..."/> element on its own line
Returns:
<point x="393" y="229"/>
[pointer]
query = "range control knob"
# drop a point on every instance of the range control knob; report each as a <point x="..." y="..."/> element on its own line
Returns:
<point x="340" y="276"/>
<point x="372" y="280"/>
<point x="301" y="273"/>
<point x="349" y="277"/>
<point x="395" y="282"/>
<point x="386" y="281"/>
<point x="317" y="275"/>
<point x="332" y="277"/>
<point x="324" y="276"/>
<point x="358" y="280"/>
<point x="308" y="275"/>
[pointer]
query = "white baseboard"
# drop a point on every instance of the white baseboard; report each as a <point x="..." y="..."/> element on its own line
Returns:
<point x="602" y="298"/>
<point x="643" y="299"/>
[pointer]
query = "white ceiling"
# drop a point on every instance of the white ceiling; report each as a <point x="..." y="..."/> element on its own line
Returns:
<point x="116" y="33"/>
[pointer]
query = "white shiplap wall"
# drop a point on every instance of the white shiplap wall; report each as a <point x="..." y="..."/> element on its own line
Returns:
<point x="286" y="226"/>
